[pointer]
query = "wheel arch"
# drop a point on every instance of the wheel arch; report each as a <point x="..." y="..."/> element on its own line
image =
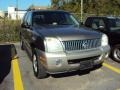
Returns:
<point x="38" y="44"/>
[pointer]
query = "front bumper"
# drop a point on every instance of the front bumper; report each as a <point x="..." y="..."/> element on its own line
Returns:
<point x="70" y="61"/>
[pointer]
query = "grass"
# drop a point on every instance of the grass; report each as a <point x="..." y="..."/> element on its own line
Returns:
<point x="9" y="30"/>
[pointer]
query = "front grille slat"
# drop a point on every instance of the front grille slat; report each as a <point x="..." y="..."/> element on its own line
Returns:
<point x="81" y="44"/>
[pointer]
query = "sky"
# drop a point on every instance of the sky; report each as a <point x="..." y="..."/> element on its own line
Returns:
<point x="22" y="4"/>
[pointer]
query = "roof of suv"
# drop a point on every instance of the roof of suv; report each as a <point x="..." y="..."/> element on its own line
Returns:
<point x="107" y="17"/>
<point x="48" y="11"/>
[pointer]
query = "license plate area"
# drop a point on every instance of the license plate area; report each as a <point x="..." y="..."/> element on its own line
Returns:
<point x="86" y="64"/>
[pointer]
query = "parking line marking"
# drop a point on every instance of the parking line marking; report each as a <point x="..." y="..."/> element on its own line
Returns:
<point x="18" y="85"/>
<point x="117" y="70"/>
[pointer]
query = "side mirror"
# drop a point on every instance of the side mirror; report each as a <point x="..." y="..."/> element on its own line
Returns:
<point x="23" y="25"/>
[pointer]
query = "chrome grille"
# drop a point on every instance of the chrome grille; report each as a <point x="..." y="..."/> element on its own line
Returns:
<point x="81" y="44"/>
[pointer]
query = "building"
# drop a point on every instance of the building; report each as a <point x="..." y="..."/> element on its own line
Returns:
<point x="32" y="7"/>
<point x="15" y="14"/>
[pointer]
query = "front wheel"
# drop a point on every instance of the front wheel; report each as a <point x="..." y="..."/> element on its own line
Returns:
<point x="39" y="70"/>
<point x="116" y="53"/>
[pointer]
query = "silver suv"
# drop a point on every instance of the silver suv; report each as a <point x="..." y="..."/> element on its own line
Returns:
<point x="56" y="43"/>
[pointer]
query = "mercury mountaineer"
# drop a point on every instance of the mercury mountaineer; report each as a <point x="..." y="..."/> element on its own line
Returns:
<point x="56" y="43"/>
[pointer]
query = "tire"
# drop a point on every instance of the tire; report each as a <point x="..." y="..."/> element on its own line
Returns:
<point x="21" y="45"/>
<point x="39" y="70"/>
<point x="116" y="53"/>
<point x="99" y="65"/>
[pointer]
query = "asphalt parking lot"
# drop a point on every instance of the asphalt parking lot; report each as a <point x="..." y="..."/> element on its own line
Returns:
<point x="21" y="77"/>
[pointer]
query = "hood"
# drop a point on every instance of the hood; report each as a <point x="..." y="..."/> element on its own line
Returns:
<point x="67" y="32"/>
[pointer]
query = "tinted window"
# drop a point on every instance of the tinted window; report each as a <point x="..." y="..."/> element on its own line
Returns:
<point x="114" y="24"/>
<point x="53" y="18"/>
<point x="88" y="22"/>
<point x="97" y="23"/>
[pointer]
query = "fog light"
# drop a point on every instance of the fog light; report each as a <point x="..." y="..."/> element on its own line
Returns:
<point x="58" y="62"/>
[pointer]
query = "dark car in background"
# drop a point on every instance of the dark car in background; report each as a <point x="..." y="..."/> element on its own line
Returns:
<point x="111" y="27"/>
<point x="56" y="44"/>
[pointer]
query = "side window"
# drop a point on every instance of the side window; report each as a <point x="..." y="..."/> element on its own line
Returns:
<point x="97" y="23"/>
<point x="24" y="19"/>
<point x="28" y="19"/>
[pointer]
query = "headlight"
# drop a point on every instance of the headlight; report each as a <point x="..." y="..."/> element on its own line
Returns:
<point x="53" y="45"/>
<point x="104" y="40"/>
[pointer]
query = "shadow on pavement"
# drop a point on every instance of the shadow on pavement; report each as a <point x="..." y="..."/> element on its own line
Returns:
<point x="7" y="53"/>
<point x="79" y="72"/>
<point x="68" y="74"/>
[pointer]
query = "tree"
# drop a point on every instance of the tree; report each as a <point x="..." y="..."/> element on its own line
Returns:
<point x="31" y="7"/>
<point x="55" y="4"/>
<point x="96" y="7"/>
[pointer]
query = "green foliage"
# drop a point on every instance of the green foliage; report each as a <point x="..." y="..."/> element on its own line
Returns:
<point x="96" y="7"/>
<point x="9" y="30"/>
<point x="104" y="7"/>
<point x="55" y="3"/>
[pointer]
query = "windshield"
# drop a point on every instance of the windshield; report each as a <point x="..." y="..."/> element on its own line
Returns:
<point x="53" y="18"/>
<point x="114" y="24"/>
